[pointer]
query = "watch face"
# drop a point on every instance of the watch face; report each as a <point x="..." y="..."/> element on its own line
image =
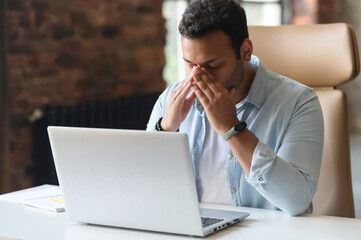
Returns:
<point x="240" y="126"/>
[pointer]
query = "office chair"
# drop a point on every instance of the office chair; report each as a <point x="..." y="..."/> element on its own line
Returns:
<point x="322" y="56"/>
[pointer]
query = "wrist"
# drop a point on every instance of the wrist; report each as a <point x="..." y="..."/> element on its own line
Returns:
<point x="239" y="127"/>
<point x="159" y="126"/>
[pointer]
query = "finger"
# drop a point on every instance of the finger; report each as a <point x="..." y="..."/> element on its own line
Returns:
<point x="190" y="76"/>
<point x="191" y="97"/>
<point x="178" y="90"/>
<point x="200" y="95"/>
<point x="203" y="85"/>
<point x="189" y="100"/>
<point x="209" y="80"/>
<point x="183" y="94"/>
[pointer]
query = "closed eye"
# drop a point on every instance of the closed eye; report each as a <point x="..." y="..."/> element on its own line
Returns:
<point x="212" y="67"/>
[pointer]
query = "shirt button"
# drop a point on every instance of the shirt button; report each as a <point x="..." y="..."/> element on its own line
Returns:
<point x="230" y="156"/>
<point x="260" y="179"/>
<point x="233" y="190"/>
<point x="195" y="153"/>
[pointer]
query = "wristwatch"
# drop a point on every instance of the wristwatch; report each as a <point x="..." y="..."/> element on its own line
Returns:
<point x="158" y="127"/>
<point x="234" y="130"/>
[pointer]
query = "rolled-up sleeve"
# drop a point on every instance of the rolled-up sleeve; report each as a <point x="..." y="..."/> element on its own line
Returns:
<point x="288" y="176"/>
<point x="155" y="115"/>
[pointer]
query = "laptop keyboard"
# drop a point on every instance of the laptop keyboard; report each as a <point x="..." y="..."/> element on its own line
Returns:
<point x="209" y="221"/>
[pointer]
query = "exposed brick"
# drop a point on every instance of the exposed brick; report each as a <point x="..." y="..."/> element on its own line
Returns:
<point x="59" y="11"/>
<point x="71" y="51"/>
<point x="40" y="12"/>
<point x="16" y="61"/>
<point x="13" y="35"/>
<point x="16" y="5"/>
<point x="152" y="60"/>
<point x="326" y="11"/>
<point x="145" y="9"/>
<point x="24" y="20"/>
<point x="48" y="71"/>
<point x="82" y="25"/>
<point x="19" y="119"/>
<point x="66" y="60"/>
<point x="40" y="6"/>
<point x="109" y="31"/>
<point x="19" y="154"/>
<point x="19" y="48"/>
<point x="60" y="32"/>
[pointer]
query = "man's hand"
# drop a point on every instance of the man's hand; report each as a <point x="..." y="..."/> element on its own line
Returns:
<point x="218" y="102"/>
<point x="178" y="105"/>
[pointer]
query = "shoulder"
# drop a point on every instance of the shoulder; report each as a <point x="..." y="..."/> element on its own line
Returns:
<point x="273" y="89"/>
<point x="285" y="83"/>
<point x="288" y="88"/>
<point x="290" y="98"/>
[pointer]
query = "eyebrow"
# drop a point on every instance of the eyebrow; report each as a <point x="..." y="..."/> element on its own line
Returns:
<point x="206" y="62"/>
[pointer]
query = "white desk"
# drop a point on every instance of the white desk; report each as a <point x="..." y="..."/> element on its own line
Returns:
<point x="23" y="222"/>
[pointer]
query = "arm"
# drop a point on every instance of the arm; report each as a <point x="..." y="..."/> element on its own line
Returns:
<point x="287" y="178"/>
<point x="219" y="104"/>
<point x="173" y="105"/>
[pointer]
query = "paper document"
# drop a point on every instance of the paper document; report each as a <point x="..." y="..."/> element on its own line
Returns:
<point x="48" y="197"/>
<point x="9" y="238"/>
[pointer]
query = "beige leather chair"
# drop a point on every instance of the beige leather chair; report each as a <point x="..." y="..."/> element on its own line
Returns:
<point x="322" y="56"/>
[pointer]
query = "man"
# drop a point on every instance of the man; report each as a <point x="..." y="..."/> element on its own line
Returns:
<point x="256" y="137"/>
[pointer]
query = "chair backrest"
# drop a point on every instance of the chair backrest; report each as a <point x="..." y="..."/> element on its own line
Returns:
<point x="321" y="56"/>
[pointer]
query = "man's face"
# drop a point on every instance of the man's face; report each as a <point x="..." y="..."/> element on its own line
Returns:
<point x="214" y="52"/>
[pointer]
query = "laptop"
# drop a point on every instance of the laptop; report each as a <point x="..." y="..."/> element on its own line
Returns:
<point x="132" y="179"/>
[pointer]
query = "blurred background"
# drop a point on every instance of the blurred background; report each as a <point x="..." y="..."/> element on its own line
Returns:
<point x="103" y="63"/>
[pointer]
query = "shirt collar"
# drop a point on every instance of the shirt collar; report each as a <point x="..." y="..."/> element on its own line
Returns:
<point x="257" y="92"/>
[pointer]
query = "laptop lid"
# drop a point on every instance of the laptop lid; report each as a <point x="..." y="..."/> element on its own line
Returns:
<point x="132" y="179"/>
<point x="127" y="178"/>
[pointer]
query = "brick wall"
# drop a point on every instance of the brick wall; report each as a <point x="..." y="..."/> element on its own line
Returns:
<point x="327" y="11"/>
<point x="72" y="51"/>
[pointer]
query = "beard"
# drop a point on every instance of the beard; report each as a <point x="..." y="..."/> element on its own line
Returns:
<point x="236" y="77"/>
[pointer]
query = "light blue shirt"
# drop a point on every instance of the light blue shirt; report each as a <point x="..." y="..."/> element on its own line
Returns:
<point x="286" y="117"/>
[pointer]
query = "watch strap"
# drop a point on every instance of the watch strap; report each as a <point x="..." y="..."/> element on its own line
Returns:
<point x="158" y="126"/>
<point x="234" y="130"/>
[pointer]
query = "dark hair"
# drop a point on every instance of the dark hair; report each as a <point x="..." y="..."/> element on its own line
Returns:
<point x="204" y="16"/>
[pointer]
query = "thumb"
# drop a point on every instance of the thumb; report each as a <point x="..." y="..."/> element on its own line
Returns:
<point x="189" y="100"/>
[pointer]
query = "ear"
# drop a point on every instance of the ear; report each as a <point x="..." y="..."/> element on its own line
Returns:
<point x="246" y="50"/>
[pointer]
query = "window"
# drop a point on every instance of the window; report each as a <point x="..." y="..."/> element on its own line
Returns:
<point x="174" y="69"/>
<point x="263" y="12"/>
<point x="259" y="12"/>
